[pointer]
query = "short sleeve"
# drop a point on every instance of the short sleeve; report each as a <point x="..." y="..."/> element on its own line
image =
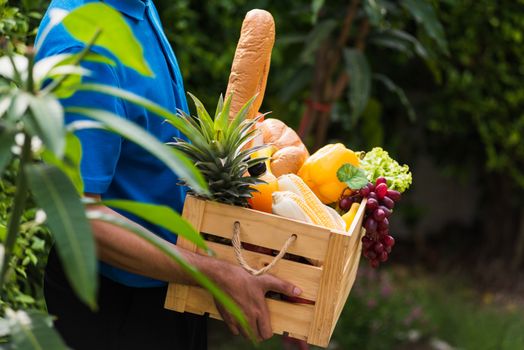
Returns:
<point x="100" y="148"/>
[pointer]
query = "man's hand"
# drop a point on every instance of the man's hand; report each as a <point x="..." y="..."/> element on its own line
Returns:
<point x="249" y="292"/>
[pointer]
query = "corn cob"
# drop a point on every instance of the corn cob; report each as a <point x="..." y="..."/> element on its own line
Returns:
<point x="320" y="213"/>
<point x="293" y="206"/>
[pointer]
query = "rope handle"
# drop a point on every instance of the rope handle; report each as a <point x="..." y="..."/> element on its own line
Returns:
<point x="237" y="245"/>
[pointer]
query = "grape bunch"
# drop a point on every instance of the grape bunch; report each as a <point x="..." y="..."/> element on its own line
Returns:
<point x="377" y="242"/>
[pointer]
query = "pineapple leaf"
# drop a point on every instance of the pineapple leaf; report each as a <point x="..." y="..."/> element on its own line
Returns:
<point x="206" y="123"/>
<point x="241" y="115"/>
<point x="222" y="118"/>
<point x="220" y="105"/>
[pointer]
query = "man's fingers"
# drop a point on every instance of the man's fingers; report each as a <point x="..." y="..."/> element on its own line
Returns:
<point x="272" y="283"/>
<point x="228" y="319"/>
<point x="264" y="323"/>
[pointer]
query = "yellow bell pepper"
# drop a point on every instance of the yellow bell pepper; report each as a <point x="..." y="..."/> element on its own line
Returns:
<point x="319" y="171"/>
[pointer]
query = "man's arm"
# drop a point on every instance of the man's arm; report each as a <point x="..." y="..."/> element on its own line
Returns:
<point x="121" y="248"/>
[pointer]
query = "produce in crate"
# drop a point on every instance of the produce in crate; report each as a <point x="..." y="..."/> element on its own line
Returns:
<point x="250" y="66"/>
<point x="319" y="171"/>
<point x="216" y="147"/>
<point x="262" y="196"/>
<point x="290" y="153"/>
<point x="293" y="192"/>
<point x="384" y="180"/>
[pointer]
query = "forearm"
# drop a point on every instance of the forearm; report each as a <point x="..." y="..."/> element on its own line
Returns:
<point x="123" y="249"/>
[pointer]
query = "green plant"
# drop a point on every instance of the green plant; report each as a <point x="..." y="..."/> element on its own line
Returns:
<point x="32" y="127"/>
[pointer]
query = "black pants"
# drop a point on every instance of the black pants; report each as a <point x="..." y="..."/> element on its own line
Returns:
<point x="128" y="318"/>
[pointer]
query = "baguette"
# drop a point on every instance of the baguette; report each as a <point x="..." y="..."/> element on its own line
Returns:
<point x="250" y="66"/>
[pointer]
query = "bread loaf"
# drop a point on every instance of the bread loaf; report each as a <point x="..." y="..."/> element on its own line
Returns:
<point x="280" y="135"/>
<point x="251" y="63"/>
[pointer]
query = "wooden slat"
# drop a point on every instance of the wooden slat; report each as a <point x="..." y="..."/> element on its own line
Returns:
<point x="323" y="318"/>
<point x="193" y="212"/>
<point x="348" y="277"/>
<point x="266" y="230"/>
<point x="306" y="277"/>
<point x="285" y="317"/>
<point x="345" y="294"/>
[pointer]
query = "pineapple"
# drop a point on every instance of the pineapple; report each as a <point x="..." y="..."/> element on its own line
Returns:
<point x="218" y="149"/>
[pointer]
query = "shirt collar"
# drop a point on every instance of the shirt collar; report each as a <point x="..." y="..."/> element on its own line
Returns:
<point x="132" y="8"/>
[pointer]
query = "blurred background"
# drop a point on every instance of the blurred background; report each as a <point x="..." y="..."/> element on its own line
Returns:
<point x="439" y="84"/>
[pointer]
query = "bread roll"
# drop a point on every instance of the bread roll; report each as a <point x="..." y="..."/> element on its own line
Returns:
<point x="280" y="135"/>
<point x="251" y="63"/>
<point x="287" y="160"/>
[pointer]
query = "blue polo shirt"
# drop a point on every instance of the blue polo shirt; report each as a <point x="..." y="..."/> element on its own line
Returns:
<point x="112" y="166"/>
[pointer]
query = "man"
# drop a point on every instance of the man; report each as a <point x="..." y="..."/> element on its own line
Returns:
<point x="133" y="274"/>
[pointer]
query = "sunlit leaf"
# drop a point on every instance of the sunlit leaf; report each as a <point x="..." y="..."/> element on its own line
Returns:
<point x="168" y="250"/>
<point x="115" y="35"/>
<point x="70" y="164"/>
<point x="357" y="68"/>
<point x="160" y="215"/>
<point x="20" y="63"/>
<point x="47" y="122"/>
<point x="33" y="330"/>
<point x="316" y="5"/>
<point x="174" y="159"/>
<point x="424" y="14"/>
<point x="57" y="196"/>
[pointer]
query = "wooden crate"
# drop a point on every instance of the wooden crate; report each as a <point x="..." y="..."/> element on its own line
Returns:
<point x="328" y="284"/>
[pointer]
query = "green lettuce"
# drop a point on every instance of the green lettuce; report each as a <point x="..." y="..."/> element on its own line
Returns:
<point x="377" y="162"/>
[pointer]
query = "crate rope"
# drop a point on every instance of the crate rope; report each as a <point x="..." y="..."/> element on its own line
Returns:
<point x="237" y="245"/>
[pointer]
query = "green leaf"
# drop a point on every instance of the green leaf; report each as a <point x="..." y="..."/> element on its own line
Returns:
<point x="424" y="14"/>
<point x="6" y="142"/>
<point x="33" y="330"/>
<point x="357" y="68"/>
<point x="85" y="21"/>
<point x="354" y="177"/>
<point x="56" y="195"/>
<point x="160" y="215"/>
<point x="401" y="41"/>
<point x="222" y="118"/>
<point x="47" y="122"/>
<point x="316" y="5"/>
<point x="394" y="88"/>
<point x="20" y="66"/>
<point x="376" y="11"/>
<point x="168" y="250"/>
<point x="174" y="159"/>
<point x="315" y="38"/>
<point x="70" y="164"/>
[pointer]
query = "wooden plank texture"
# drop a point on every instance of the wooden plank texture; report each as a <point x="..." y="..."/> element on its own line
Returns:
<point x="306" y="277"/>
<point x="285" y="316"/>
<point x="320" y="330"/>
<point x="266" y="230"/>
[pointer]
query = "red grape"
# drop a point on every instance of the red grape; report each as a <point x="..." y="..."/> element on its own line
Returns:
<point x="383" y="257"/>
<point x="371" y="187"/>
<point x="370" y="225"/>
<point x="370" y="254"/>
<point x="388" y="202"/>
<point x="395" y="195"/>
<point x="388" y="241"/>
<point x="381" y="190"/>
<point x="383" y="231"/>
<point x="372" y="204"/>
<point x="380" y="180"/>
<point x="381" y="225"/>
<point x="374" y="263"/>
<point x="386" y="210"/>
<point x="364" y="191"/>
<point x="379" y="248"/>
<point x="345" y="203"/>
<point x="379" y="214"/>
